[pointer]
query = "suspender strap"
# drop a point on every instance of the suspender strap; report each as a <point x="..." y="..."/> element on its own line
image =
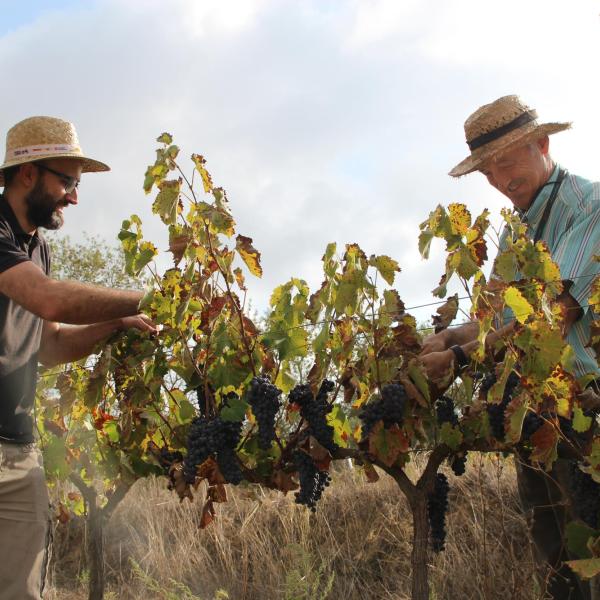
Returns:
<point x="544" y="220"/>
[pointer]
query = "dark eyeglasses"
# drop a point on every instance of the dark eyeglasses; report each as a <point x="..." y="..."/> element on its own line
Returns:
<point x="69" y="183"/>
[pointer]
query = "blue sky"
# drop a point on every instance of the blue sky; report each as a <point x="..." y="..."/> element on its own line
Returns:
<point x="324" y="120"/>
<point x="19" y="13"/>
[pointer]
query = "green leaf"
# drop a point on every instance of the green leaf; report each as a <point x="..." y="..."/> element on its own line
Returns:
<point x="111" y="429"/>
<point x="451" y="436"/>
<point x="165" y="138"/>
<point x="55" y="457"/>
<point x="167" y="204"/>
<point x="419" y="376"/>
<point x="578" y="535"/>
<point x="581" y="423"/>
<point x="234" y="410"/>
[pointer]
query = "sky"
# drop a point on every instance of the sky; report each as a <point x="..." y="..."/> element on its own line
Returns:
<point x="325" y="120"/>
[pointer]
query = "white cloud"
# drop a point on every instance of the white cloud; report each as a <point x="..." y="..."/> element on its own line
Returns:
<point x="324" y="120"/>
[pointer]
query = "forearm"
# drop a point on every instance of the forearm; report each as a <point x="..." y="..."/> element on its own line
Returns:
<point x="492" y="338"/>
<point x="70" y="343"/>
<point x="79" y="303"/>
<point x="459" y="336"/>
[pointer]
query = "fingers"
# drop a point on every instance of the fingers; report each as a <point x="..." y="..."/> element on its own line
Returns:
<point x="141" y="322"/>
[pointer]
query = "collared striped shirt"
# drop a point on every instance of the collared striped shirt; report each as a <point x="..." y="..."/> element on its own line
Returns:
<point x="572" y="233"/>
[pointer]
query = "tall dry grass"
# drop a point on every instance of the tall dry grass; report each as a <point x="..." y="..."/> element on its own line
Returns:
<point x="263" y="546"/>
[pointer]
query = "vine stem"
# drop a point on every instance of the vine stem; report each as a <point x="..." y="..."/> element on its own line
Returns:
<point x="213" y="255"/>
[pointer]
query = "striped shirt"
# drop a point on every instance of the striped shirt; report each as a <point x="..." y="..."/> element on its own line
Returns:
<point x="572" y="233"/>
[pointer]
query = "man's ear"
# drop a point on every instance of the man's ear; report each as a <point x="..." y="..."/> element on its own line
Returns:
<point x="28" y="174"/>
<point x="543" y="144"/>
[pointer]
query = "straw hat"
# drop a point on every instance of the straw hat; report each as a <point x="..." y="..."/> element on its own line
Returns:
<point x="38" y="138"/>
<point x="499" y="126"/>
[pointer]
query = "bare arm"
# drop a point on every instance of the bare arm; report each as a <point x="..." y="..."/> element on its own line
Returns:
<point x="65" y="301"/>
<point x="62" y="344"/>
<point x="438" y="362"/>
<point x="451" y="336"/>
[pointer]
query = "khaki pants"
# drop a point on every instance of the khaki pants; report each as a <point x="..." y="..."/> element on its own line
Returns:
<point x="24" y="522"/>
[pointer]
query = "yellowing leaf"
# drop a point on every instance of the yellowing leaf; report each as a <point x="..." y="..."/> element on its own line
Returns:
<point x="586" y="567"/>
<point x="460" y="218"/>
<point x="199" y="161"/>
<point x="250" y="255"/>
<point x="518" y="304"/>
<point x="387" y="266"/>
<point x="167" y="205"/>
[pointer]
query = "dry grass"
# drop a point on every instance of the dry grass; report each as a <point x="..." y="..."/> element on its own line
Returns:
<point x="263" y="546"/>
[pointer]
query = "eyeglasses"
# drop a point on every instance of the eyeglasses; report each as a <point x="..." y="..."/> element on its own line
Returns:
<point x="69" y="183"/>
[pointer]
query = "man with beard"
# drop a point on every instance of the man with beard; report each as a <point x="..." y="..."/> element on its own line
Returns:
<point x="40" y="175"/>
<point x="510" y="148"/>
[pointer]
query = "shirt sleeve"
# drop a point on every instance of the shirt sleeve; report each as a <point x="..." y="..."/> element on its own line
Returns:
<point x="576" y="251"/>
<point x="10" y="253"/>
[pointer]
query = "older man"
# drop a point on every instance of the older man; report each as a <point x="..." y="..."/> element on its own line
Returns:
<point x="40" y="174"/>
<point x="511" y="149"/>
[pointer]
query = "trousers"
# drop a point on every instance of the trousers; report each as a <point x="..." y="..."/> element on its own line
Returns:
<point x="546" y="503"/>
<point x="24" y="522"/>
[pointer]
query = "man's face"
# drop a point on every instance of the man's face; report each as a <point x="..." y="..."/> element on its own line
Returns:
<point x="519" y="173"/>
<point x="46" y="201"/>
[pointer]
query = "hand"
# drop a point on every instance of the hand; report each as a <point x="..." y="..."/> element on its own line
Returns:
<point x="436" y="342"/>
<point x="439" y="365"/>
<point x="141" y="322"/>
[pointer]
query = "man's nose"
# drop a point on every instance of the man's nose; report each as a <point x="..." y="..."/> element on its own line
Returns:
<point x="71" y="197"/>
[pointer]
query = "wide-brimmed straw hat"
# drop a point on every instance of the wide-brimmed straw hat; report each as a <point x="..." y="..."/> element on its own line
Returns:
<point x="499" y="126"/>
<point x="39" y="138"/>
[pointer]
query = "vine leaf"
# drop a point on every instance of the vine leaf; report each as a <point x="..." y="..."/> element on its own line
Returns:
<point x="199" y="161"/>
<point x="387" y="266"/>
<point x="545" y="441"/>
<point x="586" y="567"/>
<point x="445" y="314"/>
<point x="167" y="204"/>
<point x="518" y="304"/>
<point x="250" y="255"/>
<point x="387" y="444"/>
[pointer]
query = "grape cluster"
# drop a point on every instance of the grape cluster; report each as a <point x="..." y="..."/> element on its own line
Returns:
<point x="314" y="411"/>
<point x="167" y="457"/>
<point x="496" y="412"/>
<point x="437" y="506"/>
<point x="312" y="480"/>
<point x="458" y="463"/>
<point x="389" y="408"/>
<point x="213" y="437"/>
<point x="444" y="409"/>
<point x="585" y="495"/>
<point x="263" y="397"/>
<point x="531" y="423"/>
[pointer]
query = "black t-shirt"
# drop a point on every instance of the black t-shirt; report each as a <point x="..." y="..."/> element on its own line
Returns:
<point x="20" y="332"/>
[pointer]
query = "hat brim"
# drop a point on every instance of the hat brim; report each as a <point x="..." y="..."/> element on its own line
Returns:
<point x="88" y="165"/>
<point x="503" y="144"/>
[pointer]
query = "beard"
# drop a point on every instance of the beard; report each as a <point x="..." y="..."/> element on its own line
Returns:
<point x="42" y="208"/>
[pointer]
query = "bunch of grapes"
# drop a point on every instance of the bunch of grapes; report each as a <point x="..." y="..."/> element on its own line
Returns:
<point x="585" y="495"/>
<point x="314" y="411"/>
<point x="444" y="408"/>
<point x="496" y="412"/>
<point x="217" y="438"/>
<point x="312" y="480"/>
<point x="458" y="463"/>
<point x="263" y="397"/>
<point x="531" y="423"/>
<point x="389" y="408"/>
<point x="437" y="506"/>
